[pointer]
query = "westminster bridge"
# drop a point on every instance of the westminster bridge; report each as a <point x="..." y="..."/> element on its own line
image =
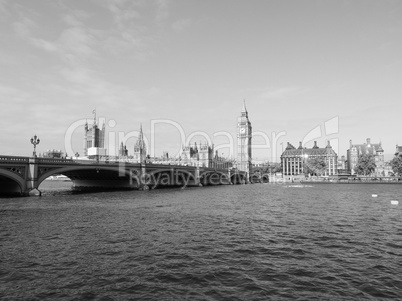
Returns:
<point x="21" y="175"/>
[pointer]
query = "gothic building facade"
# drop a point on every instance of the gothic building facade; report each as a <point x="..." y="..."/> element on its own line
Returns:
<point x="94" y="140"/>
<point x="202" y="155"/>
<point x="368" y="148"/>
<point x="123" y="151"/>
<point x="140" y="148"/>
<point x="244" y="137"/>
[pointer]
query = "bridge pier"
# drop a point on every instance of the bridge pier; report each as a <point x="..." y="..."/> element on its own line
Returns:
<point x="197" y="177"/>
<point x="32" y="177"/>
<point x="142" y="185"/>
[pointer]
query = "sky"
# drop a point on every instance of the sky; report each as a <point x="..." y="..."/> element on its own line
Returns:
<point x="307" y="70"/>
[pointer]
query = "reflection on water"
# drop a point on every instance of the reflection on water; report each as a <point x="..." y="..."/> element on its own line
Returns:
<point x="248" y="242"/>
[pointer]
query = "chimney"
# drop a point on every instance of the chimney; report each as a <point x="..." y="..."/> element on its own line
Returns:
<point x="300" y="145"/>
<point x="315" y="144"/>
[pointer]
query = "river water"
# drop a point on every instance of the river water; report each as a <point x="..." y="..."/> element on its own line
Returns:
<point x="242" y="242"/>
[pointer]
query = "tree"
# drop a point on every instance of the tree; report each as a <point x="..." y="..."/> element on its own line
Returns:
<point x="365" y="165"/>
<point x="396" y="165"/>
<point x="314" y="166"/>
<point x="275" y="168"/>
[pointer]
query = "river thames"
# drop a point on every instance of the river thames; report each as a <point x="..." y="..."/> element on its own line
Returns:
<point x="244" y="242"/>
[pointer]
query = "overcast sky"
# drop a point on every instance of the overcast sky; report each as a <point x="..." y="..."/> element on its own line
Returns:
<point x="296" y="63"/>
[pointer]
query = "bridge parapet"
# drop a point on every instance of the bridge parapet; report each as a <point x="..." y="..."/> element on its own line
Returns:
<point x="13" y="159"/>
<point x="65" y="161"/>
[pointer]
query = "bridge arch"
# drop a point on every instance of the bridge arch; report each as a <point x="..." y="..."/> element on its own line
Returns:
<point x="265" y="178"/>
<point x="213" y="177"/>
<point x="255" y="178"/>
<point x="170" y="177"/>
<point x="11" y="183"/>
<point x="96" y="176"/>
<point x="238" y="178"/>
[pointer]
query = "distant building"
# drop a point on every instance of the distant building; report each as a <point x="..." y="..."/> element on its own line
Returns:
<point x="342" y="164"/>
<point x="123" y="151"/>
<point x="203" y="155"/>
<point x="244" y="136"/>
<point x="293" y="159"/>
<point x="94" y="140"/>
<point x="221" y="162"/>
<point x="387" y="170"/>
<point x="140" y="148"/>
<point x="368" y="148"/>
<point x="52" y="153"/>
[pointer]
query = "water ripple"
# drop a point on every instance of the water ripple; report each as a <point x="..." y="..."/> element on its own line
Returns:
<point x="250" y="242"/>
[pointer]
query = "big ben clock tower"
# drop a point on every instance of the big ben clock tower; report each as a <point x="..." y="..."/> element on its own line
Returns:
<point x="244" y="135"/>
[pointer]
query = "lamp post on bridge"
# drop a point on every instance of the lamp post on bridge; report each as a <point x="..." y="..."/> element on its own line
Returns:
<point x="35" y="141"/>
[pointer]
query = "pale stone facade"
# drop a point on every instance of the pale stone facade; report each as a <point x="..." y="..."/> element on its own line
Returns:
<point x="244" y="136"/>
<point x="140" y="149"/>
<point x="367" y="148"/>
<point x="293" y="159"/>
<point x="94" y="140"/>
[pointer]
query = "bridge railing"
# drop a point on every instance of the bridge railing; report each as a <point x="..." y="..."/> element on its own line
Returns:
<point x="13" y="159"/>
<point x="63" y="161"/>
<point x="79" y="161"/>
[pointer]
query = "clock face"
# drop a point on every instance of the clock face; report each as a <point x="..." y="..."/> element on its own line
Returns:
<point x="242" y="130"/>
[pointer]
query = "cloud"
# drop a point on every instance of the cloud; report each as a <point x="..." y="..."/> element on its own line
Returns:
<point x="3" y="7"/>
<point x="284" y="92"/>
<point x="22" y="29"/>
<point x="181" y="25"/>
<point x="122" y="13"/>
<point x="75" y="42"/>
<point x="45" y="45"/>
<point x="78" y="41"/>
<point x="72" y="20"/>
<point x="162" y="12"/>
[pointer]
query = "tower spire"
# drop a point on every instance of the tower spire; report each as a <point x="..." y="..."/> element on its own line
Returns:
<point x="141" y="134"/>
<point x="244" y="106"/>
<point x="94" y="113"/>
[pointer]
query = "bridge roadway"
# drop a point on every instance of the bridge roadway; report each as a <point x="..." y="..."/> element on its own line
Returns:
<point x="21" y="175"/>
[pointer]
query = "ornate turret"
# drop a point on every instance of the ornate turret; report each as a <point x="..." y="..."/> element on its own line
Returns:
<point x="244" y="112"/>
<point x="123" y="152"/>
<point x="94" y="139"/>
<point x="379" y="148"/>
<point x="300" y="145"/>
<point x="140" y="150"/>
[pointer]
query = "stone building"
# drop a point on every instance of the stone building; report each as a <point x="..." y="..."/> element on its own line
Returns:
<point x="123" y="151"/>
<point x="244" y="136"/>
<point x="140" y="148"/>
<point x="203" y="155"/>
<point x="293" y="159"/>
<point x="94" y="140"/>
<point x="367" y="148"/>
<point x="52" y="153"/>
